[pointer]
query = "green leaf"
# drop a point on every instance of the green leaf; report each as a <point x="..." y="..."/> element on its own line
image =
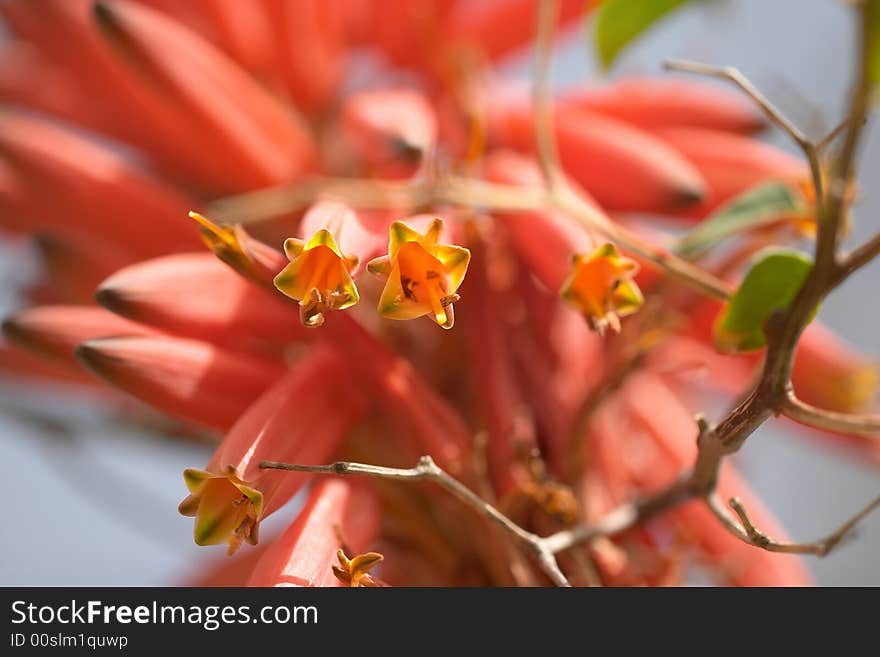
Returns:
<point x="754" y="208"/>
<point x="770" y="285"/>
<point x="620" y="21"/>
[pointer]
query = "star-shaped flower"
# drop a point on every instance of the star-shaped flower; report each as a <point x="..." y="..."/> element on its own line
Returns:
<point x="422" y="274"/>
<point x="600" y="287"/>
<point x="318" y="276"/>
<point x="225" y="507"/>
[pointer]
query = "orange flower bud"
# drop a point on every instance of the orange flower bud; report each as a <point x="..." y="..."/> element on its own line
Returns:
<point x="234" y="246"/>
<point x="600" y="286"/>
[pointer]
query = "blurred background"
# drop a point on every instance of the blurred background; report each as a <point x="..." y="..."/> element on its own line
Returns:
<point x="94" y="502"/>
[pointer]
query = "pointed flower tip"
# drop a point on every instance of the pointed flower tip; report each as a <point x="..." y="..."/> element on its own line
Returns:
<point x="422" y="274"/>
<point x="318" y="276"/>
<point x="601" y="287"/>
<point x="227" y="242"/>
<point x="213" y="233"/>
<point x="226" y="508"/>
<point x="104" y="15"/>
<point x="355" y="572"/>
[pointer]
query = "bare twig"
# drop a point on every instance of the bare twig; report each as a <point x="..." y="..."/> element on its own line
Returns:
<point x="833" y="134"/>
<point x="842" y="171"/>
<point x="857" y="259"/>
<point x="736" y="76"/>
<point x="850" y="423"/>
<point x="542" y="102"/>
<point x="622" y="518"/>
<point x="257" y="206"/>
<point x="775" y="115"/>
<point x="427" y="470"/>
<point x="748" y="533"/>
<point x="262" y="204"/>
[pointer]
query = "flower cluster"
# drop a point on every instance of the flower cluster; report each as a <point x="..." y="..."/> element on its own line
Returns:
<point x="569" y="382"/>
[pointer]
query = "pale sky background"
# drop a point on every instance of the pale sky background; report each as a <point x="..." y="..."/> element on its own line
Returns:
<point x="99" y="507"/>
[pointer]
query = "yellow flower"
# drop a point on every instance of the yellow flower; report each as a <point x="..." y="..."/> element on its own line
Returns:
<point x="225" y="507"/>
<point x="422" y="274"/>
<point x="600" y="287"/>
<point x="318" y="276"/>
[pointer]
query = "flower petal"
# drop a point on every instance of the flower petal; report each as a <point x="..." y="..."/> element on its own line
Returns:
<point x="188" y="379"/>
<point x="305" y="554"/>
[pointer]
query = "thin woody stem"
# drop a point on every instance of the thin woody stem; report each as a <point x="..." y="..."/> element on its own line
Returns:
<point x="773" y="391"/>
<point x="857" y="259"/>
<point x="811" y="151"/>
<point x="622" y="518"/>
<point x="850" y="423"/>
<point x="545" y="137"/>
<point x="833" y="134"/>
<point x="256" y="206"/>
<point x="746" y="531"/>
<point x="427" y="470"/>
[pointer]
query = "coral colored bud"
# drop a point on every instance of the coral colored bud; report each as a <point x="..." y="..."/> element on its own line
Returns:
<point x="30" y="78"/>
<point x="300" y="419"/>
<point x="53" y="332"/>
<point x="730" y="163"/>
<point x="83" y="188"/>
<point x="188" y="379"/>
<point x="422" y="274"/>
<point x="195" y="295"/>
<point x="654" y="102"/>
<point x="24" y="367"/>
<point x="390" y="130"/>
<point x="243" y="30"/>
<point x="498" y="27"/>
<point x="309" y="42"/>
<point x="306" y="554"/>
<point x="222" y="107"/>
<point x="624" y="168"/>
<point x="601" y="287"/>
